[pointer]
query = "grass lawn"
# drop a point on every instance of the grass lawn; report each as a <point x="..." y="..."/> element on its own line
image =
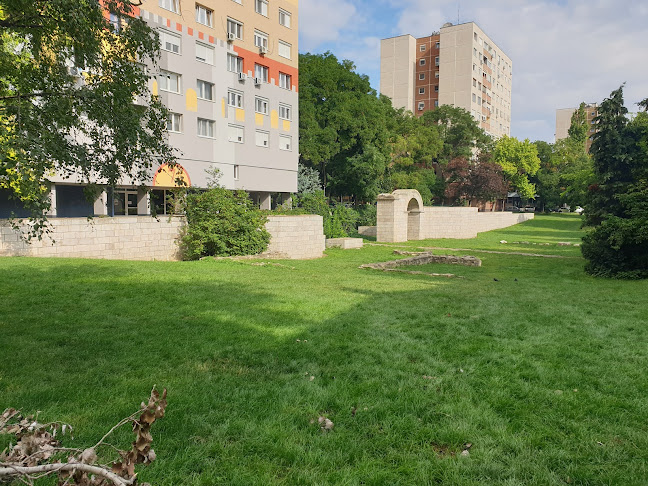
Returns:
<point x="545" y="376"/>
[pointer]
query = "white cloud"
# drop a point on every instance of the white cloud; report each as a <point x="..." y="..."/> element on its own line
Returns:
<point x="322" y="22"/>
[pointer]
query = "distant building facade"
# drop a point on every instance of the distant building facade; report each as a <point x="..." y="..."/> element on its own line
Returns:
<point x="459" y="65"/>
<point x="563" y="122"/>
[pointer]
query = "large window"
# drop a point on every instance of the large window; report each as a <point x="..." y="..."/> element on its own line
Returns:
<point x="174" y="122"/>
<point x="262" y="139"/>
<point x="235" y="134"/>
<point x="234" y="63"/>
<point x="124" y="202"/>
<point x="204" y="15"/>
<point x="205" y="128"/>
<point x="285" y="81"/>
<point x="235" y="99"/>
<point x="205" y="90"/>
<point x="285" y="142"/>
<point x="261" y="6"/>
<point x="285" y="112"/>
<point x="169" y="81"/>
<point x="261" y="72"/>
<point x="284" y="49"/>
<point x="170" y="42"/>
<point x="260" y="39"/>
<point x="235" y="27"/>
<point x="173" y="5"/>
<point x="284" y="18"/>
<point x="204" y="53"/>
<point x="261" y="105"/>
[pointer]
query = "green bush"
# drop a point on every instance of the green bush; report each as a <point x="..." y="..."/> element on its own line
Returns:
<point x="367" y="214"/>
<point x="221" y="222"/>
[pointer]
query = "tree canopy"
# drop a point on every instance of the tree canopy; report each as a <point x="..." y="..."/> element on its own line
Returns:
<point x="74" y="98"/>
<point x="518" y="160"/>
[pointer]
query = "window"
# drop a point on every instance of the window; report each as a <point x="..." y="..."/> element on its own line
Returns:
<point x="163" y="202"/>
<point x="284" y="49"/>
<point x="124" y="202"/>
<point x="438" y="45"/>
<point x="174" y="122"/>
<point x="235" y="134"/>
<point x="261" y="72"/>
<point x="474" y="98"/>
<point x="474" y="83"/>
<point x="235" y="99"/>
<point x="170" y="42"/>
<point x="436" y="74"/>
<point x="475" y="34"/>
<point x="421" y="76"/>
<point x="422" y="48"/>
<point x="422" y="62"/>
<point x="261" y="105"/>
<point x="285" y="112"/>
<point x="236" y="170"/>
<point x="285" y="142"/>
<point x="170" y="5"/>
<point x="204" y="15"/>
<point x="169" y="82"/>
<point x="204" y="53"/>
<point x="205" y="90"/>
<point x="285" y="81"/>
<point x="234" y="63"/>
<point x="205" y="128"/>
<point x="117" y="22"/>
<point x="436" y="103"/>
<point x="436" y="61"/>
<point x="421" y="90"/>
<point x="421" y="106"/>
<point x="284" y="18"/>
<point x="235" y="27"/>
<point x="260" y="39"/>
<point x="261" y="7"/>
<point x="436" y="88"/>
<point x="262" y="139"/>
<point x="479" y="100"/>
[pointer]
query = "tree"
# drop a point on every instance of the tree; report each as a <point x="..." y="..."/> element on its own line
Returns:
<point x="68" y="80"/>
<point x="308" y="180"/>
<point x="468" y="181"/>
<point x="617" y="210"/>
<point x="341" y="117"/>
<point x="578" y="128"/>
<point x="518" y="160"/>
<point x="460" y="134"/>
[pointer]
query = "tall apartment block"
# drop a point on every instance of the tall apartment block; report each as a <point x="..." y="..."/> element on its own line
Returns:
<point x="563" y="122"/>
<point x="459" y="65"/>
<point x="229" y="75"/>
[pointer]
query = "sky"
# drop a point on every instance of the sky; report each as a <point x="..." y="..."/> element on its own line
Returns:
<point x="563" y="51"/>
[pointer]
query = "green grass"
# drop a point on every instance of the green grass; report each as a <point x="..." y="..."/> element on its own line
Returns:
<point x="545" y="376"/>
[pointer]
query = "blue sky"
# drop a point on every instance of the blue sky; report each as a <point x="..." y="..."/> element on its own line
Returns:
<point x="563" y="51"/>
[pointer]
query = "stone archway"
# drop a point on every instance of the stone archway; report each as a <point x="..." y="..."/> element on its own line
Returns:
<point x="399" y="216"/>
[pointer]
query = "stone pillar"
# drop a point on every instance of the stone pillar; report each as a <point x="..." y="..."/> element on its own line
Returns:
<point x="101" y="204"/>
<point x="143" y="202"/>
<point x="286" y="200"/>
<point x="385" y="218"/>
<point x="265" y="201"/>
<point x="52" y="197"/>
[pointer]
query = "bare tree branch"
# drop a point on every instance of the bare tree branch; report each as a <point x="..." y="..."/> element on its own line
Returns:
<point x="50" y="468"/>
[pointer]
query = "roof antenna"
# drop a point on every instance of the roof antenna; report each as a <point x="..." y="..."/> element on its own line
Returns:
<point x="458" y="7"/>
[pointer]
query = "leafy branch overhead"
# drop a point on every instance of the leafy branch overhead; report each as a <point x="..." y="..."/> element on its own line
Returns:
<point x="74" y="97"/>
<point x="38" y="452"/>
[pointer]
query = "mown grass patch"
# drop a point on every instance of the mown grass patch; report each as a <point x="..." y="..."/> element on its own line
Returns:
<point x="544" y="376"/>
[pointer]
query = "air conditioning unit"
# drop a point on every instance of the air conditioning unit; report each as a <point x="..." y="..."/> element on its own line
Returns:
<point x="231" y="37"/>
<point x="257" y="81"/>
<point x="241" y="76"/>
<point x="263" y="50"/>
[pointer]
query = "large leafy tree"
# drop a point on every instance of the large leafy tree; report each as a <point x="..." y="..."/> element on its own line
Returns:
<point x="343" y="125"/>
<point x="519" y="160"/>
<point x="73" y="96"/>
<point x="617" y="210"/>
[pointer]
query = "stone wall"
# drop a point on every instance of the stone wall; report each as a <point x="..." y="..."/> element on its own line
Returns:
<point x="298" y="237"/>
<point x="118" y="238"/>
<point x="402" y="217"/>
<point x="145" y="238"/>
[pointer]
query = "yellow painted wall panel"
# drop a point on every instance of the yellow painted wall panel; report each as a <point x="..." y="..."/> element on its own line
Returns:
<point x="154" y="88"/>
<point x="192" y="100"/>
<point x="223" y="112"/>
<point x="258" y="118"/>
<point x="240" y="115"/>
<point x="274" y="119"/>
<point x="286" y="126"/>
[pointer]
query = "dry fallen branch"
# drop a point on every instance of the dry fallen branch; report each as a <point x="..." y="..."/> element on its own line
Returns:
<point x="37" y="452"/>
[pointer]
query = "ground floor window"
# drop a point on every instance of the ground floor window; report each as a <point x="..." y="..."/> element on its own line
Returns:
<point x="122" y="202"/>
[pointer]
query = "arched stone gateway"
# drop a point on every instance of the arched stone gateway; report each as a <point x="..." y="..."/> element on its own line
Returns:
<point x="402" y="217"/>
<point x="399" y="216"/>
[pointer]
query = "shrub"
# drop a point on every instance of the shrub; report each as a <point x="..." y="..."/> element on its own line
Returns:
<point x="221" y="222"/>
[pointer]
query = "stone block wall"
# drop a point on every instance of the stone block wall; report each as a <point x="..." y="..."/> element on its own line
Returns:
<point x="298" y="237"/>
<point x="464" y="223"/>
<point x="118" y="238"/>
